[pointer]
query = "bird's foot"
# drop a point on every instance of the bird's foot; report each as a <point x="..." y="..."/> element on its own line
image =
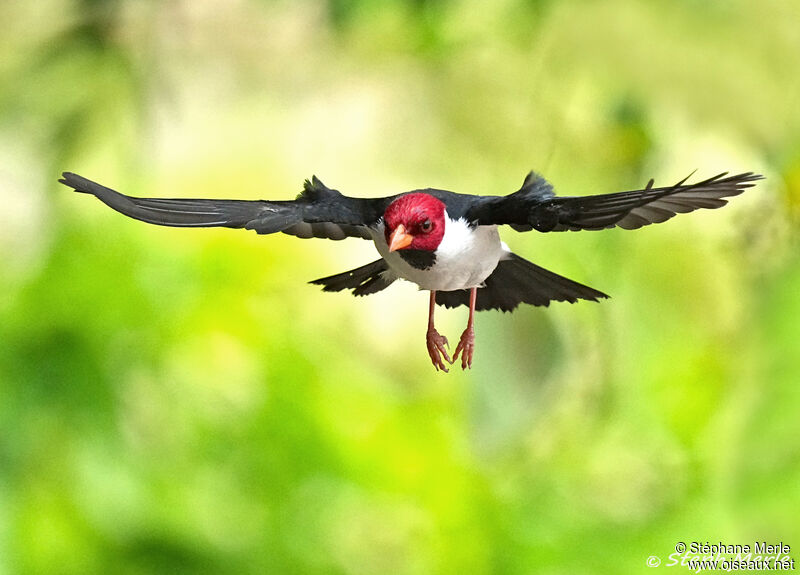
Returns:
<point x="465" y="348"/>
<point x="436" y="349"/>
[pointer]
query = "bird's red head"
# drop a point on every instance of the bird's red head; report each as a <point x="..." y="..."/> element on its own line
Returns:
<point x="414" y="221"/>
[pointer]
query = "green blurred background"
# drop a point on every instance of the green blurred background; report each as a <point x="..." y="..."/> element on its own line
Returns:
<point x="181" y="401"/>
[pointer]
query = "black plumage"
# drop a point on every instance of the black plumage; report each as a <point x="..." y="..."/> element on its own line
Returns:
<point x="317" y="212"/>
<point x="322" y="212"/>
<point x="516" y="280"/>
<point x="535" y="207"/>
<point x="365" y="280"/>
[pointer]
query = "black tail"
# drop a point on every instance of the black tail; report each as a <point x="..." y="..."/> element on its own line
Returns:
<point x="365" y="280"/>
<point x="516" y="280"/>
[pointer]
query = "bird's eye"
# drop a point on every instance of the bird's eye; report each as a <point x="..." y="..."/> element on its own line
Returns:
<point x="426" y="226"/>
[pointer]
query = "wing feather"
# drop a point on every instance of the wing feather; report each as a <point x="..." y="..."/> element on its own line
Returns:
<point x="318" y="212"/>
<point x="535" y="207"/>
<point x="515" y="280"/>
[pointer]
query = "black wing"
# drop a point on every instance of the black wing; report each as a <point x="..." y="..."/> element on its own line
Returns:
<point x="365" y="280"/>
<point x="515" y="280"/>
<point x="318" y="212"/>
<point x="535" y="206"/>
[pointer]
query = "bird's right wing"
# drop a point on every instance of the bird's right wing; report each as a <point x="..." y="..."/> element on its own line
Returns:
<point x="535" y="206"/>
<point x="318" y="212"/>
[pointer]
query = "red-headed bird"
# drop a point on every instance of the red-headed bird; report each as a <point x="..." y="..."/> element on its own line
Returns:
<point x="446" y="243"/>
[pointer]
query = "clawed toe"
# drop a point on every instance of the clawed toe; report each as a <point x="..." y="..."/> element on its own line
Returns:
<point x="465" y="348"/>
<point x="436" y="349"/>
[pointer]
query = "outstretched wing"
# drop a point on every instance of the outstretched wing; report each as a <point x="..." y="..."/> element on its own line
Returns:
<point x="535" y="207"/>
<point x="318" y="212"/>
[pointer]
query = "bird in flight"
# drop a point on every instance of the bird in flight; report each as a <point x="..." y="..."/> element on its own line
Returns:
<point x="445" y="242"/>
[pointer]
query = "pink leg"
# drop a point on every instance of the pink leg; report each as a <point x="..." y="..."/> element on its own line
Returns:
<point x="436" y="343"/>
<point x="466" y="347"/>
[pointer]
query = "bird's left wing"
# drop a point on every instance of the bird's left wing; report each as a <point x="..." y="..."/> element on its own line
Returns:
<point x="318" y="212"/>
<point x="534" y="206"/>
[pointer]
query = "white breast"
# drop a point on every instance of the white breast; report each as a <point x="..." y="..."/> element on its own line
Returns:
<point x="464" y="259"/>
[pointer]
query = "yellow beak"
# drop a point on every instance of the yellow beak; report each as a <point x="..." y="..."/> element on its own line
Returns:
<point x="400" y="239"/>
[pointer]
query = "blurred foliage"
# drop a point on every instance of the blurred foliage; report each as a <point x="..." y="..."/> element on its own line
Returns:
<point x="180" y="401"/>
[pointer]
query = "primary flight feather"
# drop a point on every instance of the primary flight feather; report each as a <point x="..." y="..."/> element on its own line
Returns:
<point x="445" y="242"/>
